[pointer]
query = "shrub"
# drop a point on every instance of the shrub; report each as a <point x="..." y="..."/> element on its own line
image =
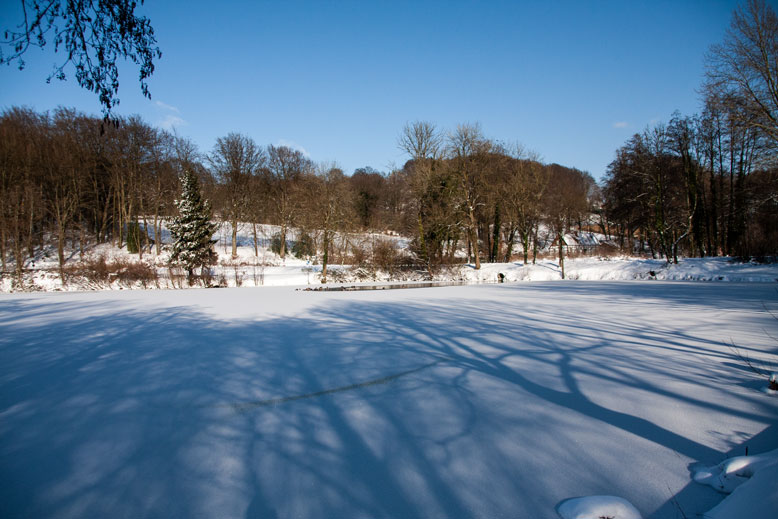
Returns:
<point x="93" y="270"/>
<point x="99" y="272"/>
<point x="177" y="276"/>
<point x="130" y="272"/>
<point x="386" y="256"/>
<point x="275" y="243"/>
<point x="304" y="247"/>
<point x="606" y="250"/>
<point x="360" y="256"/>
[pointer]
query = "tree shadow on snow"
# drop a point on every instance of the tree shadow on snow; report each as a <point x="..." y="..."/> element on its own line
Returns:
<point x="435" y="408"/>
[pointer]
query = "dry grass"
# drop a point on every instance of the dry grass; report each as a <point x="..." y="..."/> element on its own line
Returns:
<point x="100" y="273"/>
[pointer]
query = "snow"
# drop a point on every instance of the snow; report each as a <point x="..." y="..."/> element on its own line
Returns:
<point x="597" y="507"/>
<point x="752" y="481"/>
<point x="468" y="401"/>
<point x="269" y="270"/>
<point x="262" y="267"/>
<point x="625" y="268"/>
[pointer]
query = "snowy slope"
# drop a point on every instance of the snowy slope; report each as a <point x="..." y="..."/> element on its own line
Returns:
<point x="475" y="401"/>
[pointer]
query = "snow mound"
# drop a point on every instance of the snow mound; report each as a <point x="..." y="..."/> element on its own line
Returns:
<point x="751" y="483"/>
<point x="597" y="507"/>
<point x="770" y="389"/>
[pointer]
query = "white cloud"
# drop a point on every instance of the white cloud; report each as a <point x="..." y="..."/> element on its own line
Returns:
<point x="620" y="124"/>
<point x="171" y="121"/>
<point x="169" y="116"/>
<point x="168" y="107"/>
<point x="294" y="146"/>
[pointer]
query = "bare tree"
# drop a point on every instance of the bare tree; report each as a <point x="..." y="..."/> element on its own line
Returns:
<point x="370" y="189"/>
<point x="235" y="160"/>
<point x="465" y="145"/>
<point x="286" y="167"/>
<point x="422" y="141"/>
<point x="683" y="141"/>
<point x="565" y="202"/>
<point x="329" y="207"/>
<point x="742" y="72"/>
<point x="524" y="188"/>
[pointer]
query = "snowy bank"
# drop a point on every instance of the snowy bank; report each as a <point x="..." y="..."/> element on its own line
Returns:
<point x="249" y="271"/>
<point x="751" y="481"/>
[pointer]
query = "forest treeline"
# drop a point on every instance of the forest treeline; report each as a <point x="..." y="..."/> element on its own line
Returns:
<point x="691" y="187"/>
<point x="67" y="180"/>
<point x="699" y="186"/>
<point x="707" y="184"/>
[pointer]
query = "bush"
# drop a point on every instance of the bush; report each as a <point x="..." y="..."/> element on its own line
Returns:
<point x="360" y="256"/>
<point x="275" y="243"/>
<point x="129" y="273"/>
<point x="386" y="256"/>
<point x="607" y="251"/>
<point x="304" y="247"/>
<point x="99" y="272"/>
<point x="94" y="270"/>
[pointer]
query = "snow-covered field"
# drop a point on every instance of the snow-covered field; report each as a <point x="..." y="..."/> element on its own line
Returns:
<point x="473" y="401"/>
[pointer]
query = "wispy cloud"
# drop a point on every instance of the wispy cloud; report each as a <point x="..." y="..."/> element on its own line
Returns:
<point x="620" y="124"/>
<point x="294" y="146"/>
<point x="168" y="107"/>
<point x="170" y="116"/>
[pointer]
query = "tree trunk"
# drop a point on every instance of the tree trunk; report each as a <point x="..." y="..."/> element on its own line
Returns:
<point x="282" y="250"/>
<point x="19" y="258"/>
<point x="157" y="233"/>
<point x="509" y="245"/>
<point x="81" y="238"/>
<point x="61" y="250"/>
<point x="325" y="255"/>
<point x="525" y="245"/>
<point x="2" y="246"/>
<point x="561" y="240"/>
<point x="256" y="246"/>
<point x="31" y="232"/>
<point x="496" y="234"/>
<point x="474" y="237"/>
<point x="141" y="243"/>
<point x="422" y="242"/>
<point x="235" y="238"/>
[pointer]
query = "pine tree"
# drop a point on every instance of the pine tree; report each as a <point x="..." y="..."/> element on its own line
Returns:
<point x="192" y="229"/>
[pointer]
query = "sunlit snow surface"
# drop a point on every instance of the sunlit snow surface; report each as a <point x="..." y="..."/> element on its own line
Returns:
<point x="476" y="401"/>
<point x="597" y="507"/>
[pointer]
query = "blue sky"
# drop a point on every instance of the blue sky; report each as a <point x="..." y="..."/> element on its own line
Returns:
<point x="569" y="80"/>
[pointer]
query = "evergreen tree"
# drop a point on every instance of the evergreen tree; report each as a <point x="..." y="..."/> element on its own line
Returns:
<point x="192" y="229"/>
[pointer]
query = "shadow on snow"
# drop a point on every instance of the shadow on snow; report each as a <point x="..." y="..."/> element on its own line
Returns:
<point x="483" y="409"/>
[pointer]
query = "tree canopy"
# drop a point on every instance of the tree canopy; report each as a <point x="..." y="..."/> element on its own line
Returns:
<point x="93" y="35"/>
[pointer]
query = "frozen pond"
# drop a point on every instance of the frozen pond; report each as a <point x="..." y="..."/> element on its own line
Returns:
<point x="454" y="402"/>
